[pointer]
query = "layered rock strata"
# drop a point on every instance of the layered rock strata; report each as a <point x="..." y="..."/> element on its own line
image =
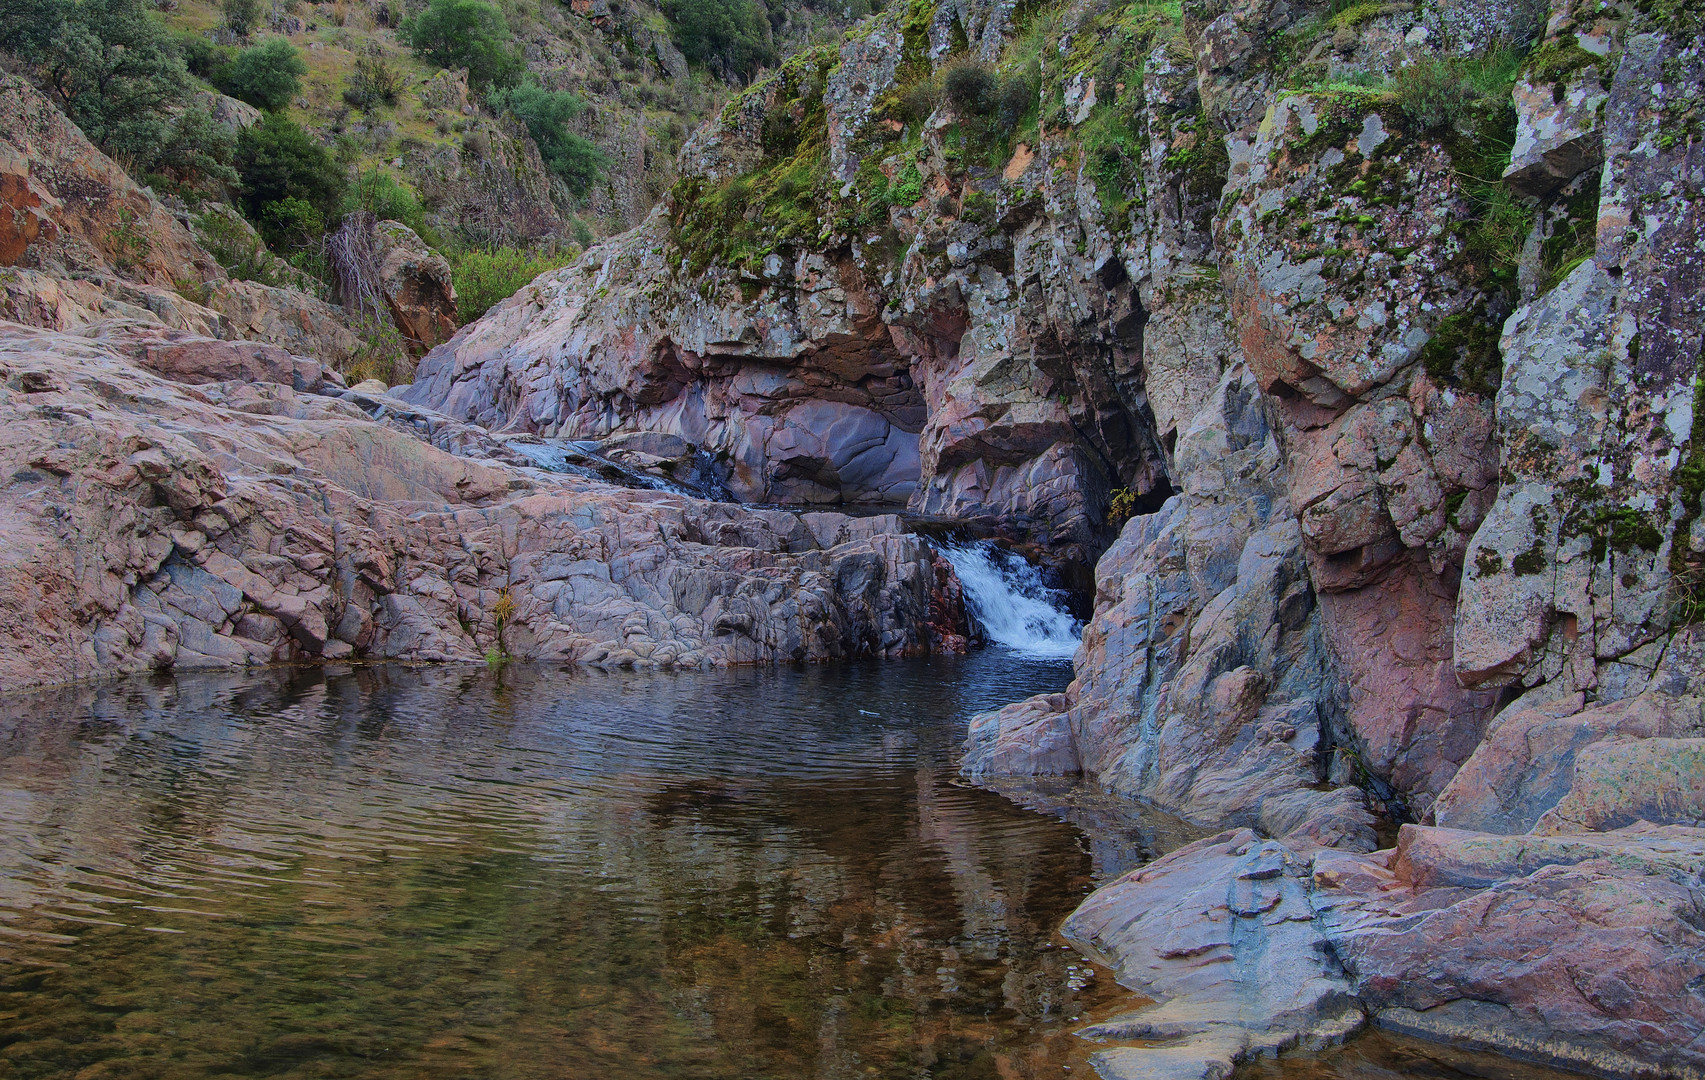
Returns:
<point x="178" y="501"/>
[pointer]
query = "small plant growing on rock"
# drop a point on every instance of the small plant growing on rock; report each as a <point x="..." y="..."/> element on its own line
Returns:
<point x="1122" y="505"/>
<point x="129" y="242"/>
<point x="501" y="612"/>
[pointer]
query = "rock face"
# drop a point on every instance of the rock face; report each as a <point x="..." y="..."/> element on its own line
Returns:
<point x="1221" y="935"/>
<point x="81" y="243"/>
<point x="167" y="507"/>
<point x="415" y="281"/>
<point x="1586" y="951"/>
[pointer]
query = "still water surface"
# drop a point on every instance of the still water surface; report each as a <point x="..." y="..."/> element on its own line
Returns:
<point x="393" y="873"/>
<point x="533" y="873"/>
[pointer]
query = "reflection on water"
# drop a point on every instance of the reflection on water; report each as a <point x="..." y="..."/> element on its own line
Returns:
<point x="398" y="873"/>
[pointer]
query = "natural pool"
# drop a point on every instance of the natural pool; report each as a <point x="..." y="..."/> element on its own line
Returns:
<point x="539" y="872"/>
<point x="535" y="872"/>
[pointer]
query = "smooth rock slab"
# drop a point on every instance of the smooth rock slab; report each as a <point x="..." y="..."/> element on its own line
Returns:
<point x="1585" y="951"/>
<point x="1221" y="935"/>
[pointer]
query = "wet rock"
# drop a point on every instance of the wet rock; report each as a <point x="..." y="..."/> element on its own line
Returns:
<point x="1221" y="935"/>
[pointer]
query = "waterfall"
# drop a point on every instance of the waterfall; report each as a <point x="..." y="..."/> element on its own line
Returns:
<point x="1009" y="598"/>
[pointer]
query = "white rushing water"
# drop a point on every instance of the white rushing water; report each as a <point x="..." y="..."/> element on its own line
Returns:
<point x="1008" y="596"/>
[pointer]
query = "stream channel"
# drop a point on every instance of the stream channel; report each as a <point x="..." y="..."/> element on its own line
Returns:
<point x="539" y="871"/>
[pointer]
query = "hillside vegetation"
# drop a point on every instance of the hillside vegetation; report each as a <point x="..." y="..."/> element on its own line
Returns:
<point x="507" y="135"/>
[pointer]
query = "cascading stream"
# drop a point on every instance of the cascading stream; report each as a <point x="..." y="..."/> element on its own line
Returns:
<point x="1009" y="597"/>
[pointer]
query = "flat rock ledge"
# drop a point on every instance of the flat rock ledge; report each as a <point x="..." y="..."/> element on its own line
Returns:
<point x="168" y="500"/>
<point x="1583" y="951"/>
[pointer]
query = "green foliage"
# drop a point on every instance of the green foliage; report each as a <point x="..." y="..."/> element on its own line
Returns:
<point x="290" y="183"/>
<point x="485" y="277"/>
<point x="387" y="199"/>
<point x="113" y="68"/>
<point x="1463" y="351"/>
<point x="466" y="34"/>
<point x="1122" y="505"/>
<point x="372" y="84"/>
<point x="1686" y="569"/>
<point x="731" y="37"/>
<point x="241" y="16"/>
<point x="785" y="200"/>
<point x="1440" y="93"/>
<point x="267" y="76"/>
<point x="546" y="114"/>
<point x="237" y="249"/>
<point x="971" y="88"/>
<point x="291" y="223"/>
<point x="204" y="59"/>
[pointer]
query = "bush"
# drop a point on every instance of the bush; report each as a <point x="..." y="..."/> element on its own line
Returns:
<point x="291" y="223"/>
<point x="242" y="16"/>
<point x="971" y="89"/>
<point x="372" y="84"/>
<point x="466" y="34"/>
<point x="387" y="199"/>
<point x="546" y="113"/>
<point x="1443" y="93"/>
<point x="484" y="278"/>
<point x="731" y="37"/>
<point x="204" y="59"/>
<point x="277" y="162"/>
<point x="267" y="76"/>
<point x="195" y="152"/>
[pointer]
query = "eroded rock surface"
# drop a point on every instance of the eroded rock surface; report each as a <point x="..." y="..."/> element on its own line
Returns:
<point x="196" y="521"/>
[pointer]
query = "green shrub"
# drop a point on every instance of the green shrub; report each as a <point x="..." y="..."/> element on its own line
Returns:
<point x="971" y="89"/>
<point x="291" y="223"/>
<point x="466" y="34"/>
<point x="486" y="277"/>
<point x="546" y="113"/>
<point x="267" y="76"/>
<point x="373" y="83"/>
<point x="109" y="64"/>
<point x="194" y="153"/>
<point x="1447" y="92"/>
<point x="204" y="59"/>
<point x="387" y="199"/>
<point x="731" y="37"/>
<point x="277" y="162"/>
<point x="241" y="16"/>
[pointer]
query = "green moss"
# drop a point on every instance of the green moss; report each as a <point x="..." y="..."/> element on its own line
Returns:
<point x="1463" y="351"/>
<point x="1453" y="507"/>
<point x="1555" y="63"/>
<point x="1686" y="571"/>
<point x="1574" y="234"/>
<point x="1529" y="562"/>
<point x="784" y="201"/>
<point x="1488" y="562"/>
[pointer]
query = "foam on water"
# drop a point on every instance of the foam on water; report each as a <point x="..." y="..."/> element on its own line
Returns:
<point x="1009" y="597"/>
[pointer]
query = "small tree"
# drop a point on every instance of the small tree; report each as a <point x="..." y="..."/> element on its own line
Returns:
<point x="242" y="16"/>
<point x="731" y="37"/>
<point x="545" y="113"/>
<point x="277" y="161"/>
<point x="466" y="34"/>
<point x="267" y="76"/>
